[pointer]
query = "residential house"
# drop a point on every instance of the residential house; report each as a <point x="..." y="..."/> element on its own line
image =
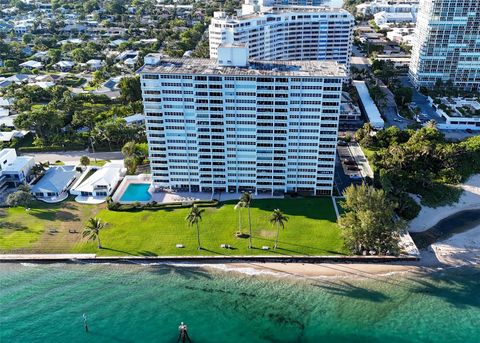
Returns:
<point x="64" y="65"/>
<point x="14" y="170"/>
<point x="31" y="65"/>
<point x="95" y="64"/>
<point x="99" y="183"/>
<point x="55" y="183"/>
<point x="136" y="119"/>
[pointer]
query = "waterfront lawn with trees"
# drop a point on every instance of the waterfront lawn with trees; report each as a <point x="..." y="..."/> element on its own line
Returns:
<point x="45" y="228"/>
<point x="311" y="230"/>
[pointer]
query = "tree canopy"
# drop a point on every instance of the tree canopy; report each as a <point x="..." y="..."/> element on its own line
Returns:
<point x="369" y="222"/>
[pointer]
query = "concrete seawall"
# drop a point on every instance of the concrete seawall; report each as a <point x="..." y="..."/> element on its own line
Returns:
<point x="92" y="258"/>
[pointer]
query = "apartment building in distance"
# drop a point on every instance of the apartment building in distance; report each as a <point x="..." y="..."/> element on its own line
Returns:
<point x="287" y="33"/>
<point x="237" y="125"/>
<point x="251" y="6"/>
<point x="447" y="44"/>
<point x="388" y="6"/>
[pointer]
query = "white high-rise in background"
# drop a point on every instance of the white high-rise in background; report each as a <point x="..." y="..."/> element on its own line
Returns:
<point x="233" y="125"/>
<point x="447" y="43"/>
<point x="287" y="33"/>
<point x="251" y="6"/>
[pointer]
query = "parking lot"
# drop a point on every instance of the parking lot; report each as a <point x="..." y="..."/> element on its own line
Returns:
<point x="352" y="166"/>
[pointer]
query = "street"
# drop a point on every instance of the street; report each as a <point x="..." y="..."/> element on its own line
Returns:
<point x="74" y="156"/>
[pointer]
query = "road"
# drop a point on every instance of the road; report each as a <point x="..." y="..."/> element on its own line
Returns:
<point x="74" y="156"/>
<point x="421" y="101"/>
<point x="390" y="112"/>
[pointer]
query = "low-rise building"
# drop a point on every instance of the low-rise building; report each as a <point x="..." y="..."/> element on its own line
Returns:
<point x="99" y="183"/>
<point x="64" y="65"/>
<point x="55" y="183"/>
<point x="389" y="6"/>
<point x="387" y="19"/>
<point x="350" y="114"/>
<point x="459" y="113"/>
<point x="31" y="65"/>
<point x="95" y="64"/>
<point x="14" y="170"/>
<point x="368" y="106"/>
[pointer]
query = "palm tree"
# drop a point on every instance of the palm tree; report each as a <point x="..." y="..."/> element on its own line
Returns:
<point x="92" y="230"/>
<point x="432" y="124"/>
<point x="193" y="218"/>
<point x="246" y="199"/>
<point x="239" y="207"/>
<point x="279" y="219"/>
<point x="39" y="168"/>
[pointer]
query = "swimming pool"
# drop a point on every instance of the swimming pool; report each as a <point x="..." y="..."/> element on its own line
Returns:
<point x="136" y="192"/>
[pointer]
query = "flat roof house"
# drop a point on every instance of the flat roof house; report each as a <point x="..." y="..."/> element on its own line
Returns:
<point x="14" y="170"/>
<point x="54" y="185"/>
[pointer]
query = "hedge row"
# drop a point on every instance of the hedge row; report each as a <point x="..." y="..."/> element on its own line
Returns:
<point x="154" y="206"/>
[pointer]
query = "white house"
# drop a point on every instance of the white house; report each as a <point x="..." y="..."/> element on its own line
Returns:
<point x="95" y="64"/>
<point x="385" y="18"/>
<point x="14" y="170"/>
<point x="31" y="65"/>
<point x="98" y="184"/>
<point x="135" y="119"/>
<point x="64" y="65"/>
<point x="55" y="183"/>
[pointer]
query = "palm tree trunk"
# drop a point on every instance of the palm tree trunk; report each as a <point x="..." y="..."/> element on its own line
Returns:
<point x="198" y="237"/>
<point x="240" y="220"/>
<point x="99" y="244"/>
<point x="250" y="226"/>
<point x="276" y="239"/>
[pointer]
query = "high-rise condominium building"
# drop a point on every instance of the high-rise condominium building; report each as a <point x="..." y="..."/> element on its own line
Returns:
<point x="287" y="33"/>
<point x="447" y="44"/>
<point x="230" y="125"/>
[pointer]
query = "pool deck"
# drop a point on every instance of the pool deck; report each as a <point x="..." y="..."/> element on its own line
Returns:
<point x="163" y="197"/>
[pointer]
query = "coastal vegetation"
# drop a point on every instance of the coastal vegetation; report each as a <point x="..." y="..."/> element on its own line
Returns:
<point x="369" y="223"/>
<point x="92" y="230"/>
<point x="65" y="120"/>
<point x="278" y="219"/>
<point x="419" y="162"/>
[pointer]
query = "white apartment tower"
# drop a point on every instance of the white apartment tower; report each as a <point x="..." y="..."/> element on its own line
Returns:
<point x="447" y="44"/>
<point x="233" y="125"/>
<point x="286" y="33"/>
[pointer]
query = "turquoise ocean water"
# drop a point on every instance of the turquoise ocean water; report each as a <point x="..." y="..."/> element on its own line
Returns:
<point x="133" y="303"/>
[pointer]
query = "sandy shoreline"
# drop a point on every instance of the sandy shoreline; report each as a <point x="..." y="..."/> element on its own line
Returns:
<point x="459" y="250"/>
<point x="310" y="270"/>
<point x="469" y="200"/>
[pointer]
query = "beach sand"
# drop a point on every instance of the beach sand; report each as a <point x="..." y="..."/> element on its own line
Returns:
<point x="459" y="250"/>
<point x="311" y="270"/>
<point x="469" y="200"/>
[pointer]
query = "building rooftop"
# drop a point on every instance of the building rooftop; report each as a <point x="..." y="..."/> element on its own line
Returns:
<point x="18" y="164"/>
<point x="254" y="68"/>
<point x="277" y="10"/>
<point x="55" y="180"/>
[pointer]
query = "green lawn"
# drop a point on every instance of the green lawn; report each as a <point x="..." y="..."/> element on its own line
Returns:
<point x="44" y="228"/>
<point x="311" y="229"/>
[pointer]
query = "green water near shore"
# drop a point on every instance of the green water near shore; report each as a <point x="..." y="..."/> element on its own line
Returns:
<point x="131" y="303"/>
